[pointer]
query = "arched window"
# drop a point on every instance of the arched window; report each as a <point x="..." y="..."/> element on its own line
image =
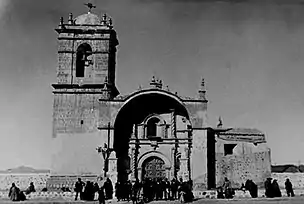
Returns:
<point x="83" y="51"/>
<point x="152" y="127"/>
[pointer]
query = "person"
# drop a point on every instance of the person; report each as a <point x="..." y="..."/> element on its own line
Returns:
<point x="15" y="194"/>
<point x="101" y="195"/>
<point x="243" y="188"/>
<point x="276" y="189"/>
<point x="228" y="188"/>
<point x="268" y="188"/>
<point x="135" y="192"/>
<point x="78" y="188"/>
<point x="30" y="189"/>
<point x="167" y="189"/>
<point x="108" y="187"/>
<point x="252" y="188"/>
<point x="220" y="193"/>
<point x="118" y="190"/>
<point x="288" y="188"/>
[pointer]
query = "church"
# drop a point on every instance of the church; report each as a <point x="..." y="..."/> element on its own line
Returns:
<point x="149" y="133"/>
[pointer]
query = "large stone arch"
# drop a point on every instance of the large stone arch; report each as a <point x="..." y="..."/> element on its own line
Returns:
<point x="134" y="110"/>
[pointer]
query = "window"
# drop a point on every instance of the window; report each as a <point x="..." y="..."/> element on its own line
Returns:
<point x="152" y="127"/>
<point x="228" y="149"/>
<point x="83" y="51"/>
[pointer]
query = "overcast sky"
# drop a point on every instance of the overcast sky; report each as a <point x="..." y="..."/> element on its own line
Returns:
<point x="251" y="54"/>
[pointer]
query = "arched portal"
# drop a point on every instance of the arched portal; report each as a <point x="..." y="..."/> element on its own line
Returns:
<point x="153" y="168"/>
<point x="135" y="110"/>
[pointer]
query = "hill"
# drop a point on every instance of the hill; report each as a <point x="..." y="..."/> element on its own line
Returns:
<point x="24" y="170"/>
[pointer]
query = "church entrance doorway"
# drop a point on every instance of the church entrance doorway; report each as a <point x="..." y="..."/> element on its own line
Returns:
<point x="153" y="168"/>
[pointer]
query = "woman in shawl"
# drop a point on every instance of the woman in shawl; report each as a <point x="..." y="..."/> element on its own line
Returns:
<point x="14" y="193"/>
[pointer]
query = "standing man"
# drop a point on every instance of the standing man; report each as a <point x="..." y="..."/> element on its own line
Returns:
<point x="289" y="189"/>
<point x="78" y="188"/>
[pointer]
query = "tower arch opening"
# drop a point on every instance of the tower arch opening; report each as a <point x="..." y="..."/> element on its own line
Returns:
<point x="83" y="52"/>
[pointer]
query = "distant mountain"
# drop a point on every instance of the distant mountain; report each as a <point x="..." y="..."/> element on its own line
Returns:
<point x="24" y="170"/>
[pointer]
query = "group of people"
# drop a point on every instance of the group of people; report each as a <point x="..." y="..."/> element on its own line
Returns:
<point x="272" y="189"/>
<point x="138" y="192"/>
<point x="15" y="194"/>
<point x="86" y="191"/>
<point x="162" y="189"/>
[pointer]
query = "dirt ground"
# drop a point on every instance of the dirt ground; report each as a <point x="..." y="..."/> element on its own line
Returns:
<point x="284" y="200"/>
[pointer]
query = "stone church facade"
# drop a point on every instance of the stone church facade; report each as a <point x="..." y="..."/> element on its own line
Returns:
<point x="150" y="133"/>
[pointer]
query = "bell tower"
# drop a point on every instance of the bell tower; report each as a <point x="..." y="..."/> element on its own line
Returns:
<point x="85" y="72"/>
<point x="87" y="54"/>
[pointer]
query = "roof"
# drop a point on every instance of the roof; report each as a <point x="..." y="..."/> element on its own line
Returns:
<point x="288" y="168"/>
<point x="88" y="19"/>
<point x="242" y="135"/>
<point x="242" y="131"/>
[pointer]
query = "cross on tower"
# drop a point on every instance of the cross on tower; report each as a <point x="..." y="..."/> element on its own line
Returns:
<point x="90" y="6"/>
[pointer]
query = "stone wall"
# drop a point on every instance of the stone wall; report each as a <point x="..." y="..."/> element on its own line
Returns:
<point x="247" y="162"/>
<point x="23" y="181"/>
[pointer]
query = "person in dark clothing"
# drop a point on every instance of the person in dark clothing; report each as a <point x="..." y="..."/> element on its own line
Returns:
<point x="252" y="188"/>
<point x="220" y="193"/>
<point x="187" y="191"/>
<point x="108" y="189"/>
<point x="30" y="189"/>
<point x="174" y="187"/>
<point x="87" y="191"/>
<point x="268" y="188"/>
<point x="243" y="188"/>
<point x="167" y="189"/>
<point x="276" y="189"/>
<point x="228" y="189"/>
<point x="135" y="192"/>
<point x="96" y="189"/>
<point x="101" y="195"/>
<point x="118" y="190"/>
<point x="78" y="188"/>
<point x="15" y="194"/>
<point x="288" y="188"/>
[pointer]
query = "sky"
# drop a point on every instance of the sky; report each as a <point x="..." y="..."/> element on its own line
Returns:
<point x="250" y="52"/>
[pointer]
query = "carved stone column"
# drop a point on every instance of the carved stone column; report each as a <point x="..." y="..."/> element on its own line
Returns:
<point x="132" y="162"/>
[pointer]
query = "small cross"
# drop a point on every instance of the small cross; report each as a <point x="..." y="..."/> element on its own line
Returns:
<point x="90" y="6"/>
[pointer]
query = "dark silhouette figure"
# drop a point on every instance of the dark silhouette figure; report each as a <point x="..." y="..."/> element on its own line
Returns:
<point x="268" y="188"/>
<point x="228" y="189"/>
<point x="288" y="188"/>
<point x="15" y="194"/>
<point x="108" y="189"/>
<point x="78" y="188"/>
<point x="252" y="188"/>
<point x="30" y="189"/>
<point x="101" y="195"/>
<point x="276" y="189"/>
<point x="174" y="187"/>
<point x="220" y="193"/>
